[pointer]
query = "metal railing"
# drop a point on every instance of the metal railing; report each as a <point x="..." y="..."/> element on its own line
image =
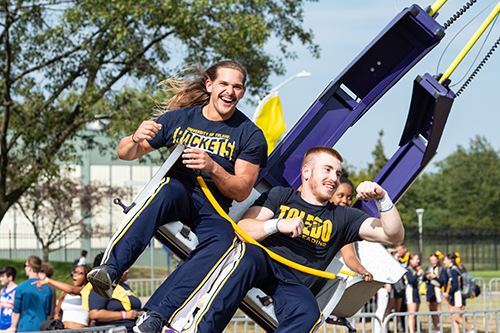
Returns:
<point x="478" y="324"/>
<point x="364" y="322"/>
<point x="494" y="293"/>
<point x="144" y="287"/>
<point x="485" y="311"/>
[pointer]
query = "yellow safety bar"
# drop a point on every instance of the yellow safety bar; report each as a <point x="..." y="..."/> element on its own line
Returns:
<point x="250" y="240"/>
<point x="471" y="43"/>
<point x="436" y="7"/>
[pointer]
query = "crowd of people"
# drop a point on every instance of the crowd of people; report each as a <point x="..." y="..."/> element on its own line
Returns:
<point x="31" y="305"/>
<point x="439" y="283"/>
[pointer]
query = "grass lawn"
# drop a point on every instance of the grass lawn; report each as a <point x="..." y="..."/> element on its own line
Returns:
<point x="486" y="275"/>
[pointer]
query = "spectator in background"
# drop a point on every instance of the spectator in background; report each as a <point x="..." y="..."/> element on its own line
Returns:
<point x="453" y="293"/>
<point x="82" y="261"/>
<point x="403" y="254"/>
<point x="436" y="278"/>
<point x="69" y="307"/>
<point x="31" y="306"/>
<point x="7" y="277"/>
<point x="396" y="295"/>
<point x="121" y="310"/>
<point x="412" y="277"/>
<point x="46" y="272"/>
<point x="83" y="258"/>
<point x="382" y="303"/>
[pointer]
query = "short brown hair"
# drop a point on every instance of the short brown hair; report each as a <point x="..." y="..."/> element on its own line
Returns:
<point x="9" y="271"/>
<point x="35" y="263"/>
<point x="47" y="269"/>
<point x="318" y="150"/>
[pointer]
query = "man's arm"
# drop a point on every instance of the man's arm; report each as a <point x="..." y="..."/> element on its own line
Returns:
<point x="136" y="145"/>
<point x="14" y="322"/>
<point x="387" y="229"/>
<point x="254" y="220"/>
<point x="237" y="187"/>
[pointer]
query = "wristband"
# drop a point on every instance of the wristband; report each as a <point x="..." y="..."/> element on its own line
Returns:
<point x="271" y="226"/>
<point x="124" y="315"/>
<point x="384" y="204"/>
<point x="46" y="280"/>
<point x="132" y="137"/>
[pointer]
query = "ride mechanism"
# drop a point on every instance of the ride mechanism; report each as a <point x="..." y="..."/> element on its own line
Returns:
<point x="411" y="35"/>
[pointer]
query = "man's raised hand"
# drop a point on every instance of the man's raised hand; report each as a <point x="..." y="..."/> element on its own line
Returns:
<point x="369" y="190"/>
<point x="146" y="131"/>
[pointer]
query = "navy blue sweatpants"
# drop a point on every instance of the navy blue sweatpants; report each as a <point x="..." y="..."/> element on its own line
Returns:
<point x="171" y="201"/>
<point x="295" y="306"/>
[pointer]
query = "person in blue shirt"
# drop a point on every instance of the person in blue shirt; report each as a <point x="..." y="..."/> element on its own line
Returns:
<point x="31" y="306"/>
<point x="436" y="278"/>
<point x="412" y="278"/>
<point x="7" y="277"/>
<point x="452" y="291"/>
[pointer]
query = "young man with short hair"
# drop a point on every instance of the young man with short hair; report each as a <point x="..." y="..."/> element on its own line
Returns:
<point x="306" y="228"/>
<point x="7" y="277"/>
<point x="31" y="306"/>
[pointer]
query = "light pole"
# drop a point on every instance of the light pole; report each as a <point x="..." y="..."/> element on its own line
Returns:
<point x="420" y="213"/>
<point x="298" y="75"/>
<point x="279" y="86"/>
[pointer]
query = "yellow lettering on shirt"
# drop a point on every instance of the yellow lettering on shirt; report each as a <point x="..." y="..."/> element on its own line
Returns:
<point x="213" y="143"/>
<point x="315" y="229"/>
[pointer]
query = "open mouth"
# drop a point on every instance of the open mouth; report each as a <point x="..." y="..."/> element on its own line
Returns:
<point x="227" y="100"/>
<point x="330" y="187"/>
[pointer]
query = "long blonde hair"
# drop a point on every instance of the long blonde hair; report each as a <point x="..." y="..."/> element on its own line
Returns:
<point x="189" y="85"/>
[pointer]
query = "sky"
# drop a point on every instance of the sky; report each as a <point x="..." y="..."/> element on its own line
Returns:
<point x="343" y="28"/>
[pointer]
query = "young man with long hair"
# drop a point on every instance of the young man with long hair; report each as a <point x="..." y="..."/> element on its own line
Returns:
<point x="226" y="148"/>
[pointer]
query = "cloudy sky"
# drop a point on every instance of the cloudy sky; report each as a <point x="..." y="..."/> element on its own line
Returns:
<point x="344" y="28"/>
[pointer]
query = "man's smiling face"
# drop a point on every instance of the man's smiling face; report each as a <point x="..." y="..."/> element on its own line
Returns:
<point x="225" y="93"/>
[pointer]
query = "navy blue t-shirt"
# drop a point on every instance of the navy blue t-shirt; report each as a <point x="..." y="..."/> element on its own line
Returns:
<point x="326" y="230"/>
<point x="225" y="142"/>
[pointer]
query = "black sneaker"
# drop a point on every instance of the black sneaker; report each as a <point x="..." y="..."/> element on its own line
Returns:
<point x="150" y="322"/>
<point x="103" y="283"/>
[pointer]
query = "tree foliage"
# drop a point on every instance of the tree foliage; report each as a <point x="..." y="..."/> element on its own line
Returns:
<point x="463" y="192"/>
<point x="57" y="210"/>
<point x="62" y="62"/>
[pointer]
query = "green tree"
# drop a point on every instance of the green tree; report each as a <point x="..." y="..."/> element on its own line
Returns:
<point x="426" y="192"/>
<point x="462" y="193"/>
<point x="62" y="60"/>
<point x="471" y="179"/>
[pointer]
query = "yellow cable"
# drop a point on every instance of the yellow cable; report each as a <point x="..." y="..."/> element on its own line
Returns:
<point x="250" y="240"/>
<point x="471" y="43"/>
<point x="436" y="7"/>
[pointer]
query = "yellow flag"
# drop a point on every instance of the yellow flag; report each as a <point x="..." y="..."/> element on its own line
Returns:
<point x="269" y="118"/>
